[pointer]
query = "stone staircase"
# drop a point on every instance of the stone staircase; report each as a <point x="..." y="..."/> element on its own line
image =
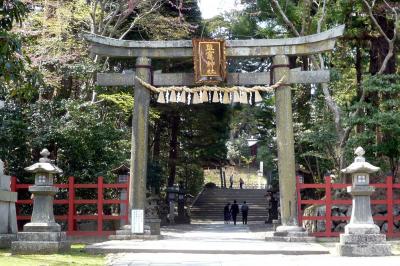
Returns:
<point x="209" y="206"/>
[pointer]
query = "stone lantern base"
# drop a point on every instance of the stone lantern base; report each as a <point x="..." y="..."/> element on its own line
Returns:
<point x="363" y="240"/>
<point x="6" y="239"/>
<point x="40" y="243"/>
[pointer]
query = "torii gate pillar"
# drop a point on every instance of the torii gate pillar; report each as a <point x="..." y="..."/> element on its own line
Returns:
<point x="137" y="183"/>
<point x="285" y="141"/>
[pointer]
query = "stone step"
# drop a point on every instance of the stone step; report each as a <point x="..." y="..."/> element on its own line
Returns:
<point x="39" y="247"/>
<point x="211" y="203"/>
<point x="42" y="236"/>
<point x="133" y="237"/>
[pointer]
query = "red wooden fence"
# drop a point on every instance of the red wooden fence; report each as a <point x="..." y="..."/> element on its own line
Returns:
<point x="329" y="202"/>
<point x="72" y="217"/>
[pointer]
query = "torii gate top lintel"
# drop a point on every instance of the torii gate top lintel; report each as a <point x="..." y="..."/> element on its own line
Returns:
<point x="304" y="45"/>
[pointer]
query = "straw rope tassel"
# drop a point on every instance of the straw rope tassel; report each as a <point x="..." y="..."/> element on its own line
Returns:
<point x="204" y="96"/>
<point x="172" y="97"/>
<point x="161" y="98"/>
<point x="243" y="98"/>
<point x="236" y="97"/>
<point x="226" y="99"/>
<point x="183" y="97"/>
<point x="215" y="97"/>
<point x="257" y="97"/>
<point x="196" y="98"/>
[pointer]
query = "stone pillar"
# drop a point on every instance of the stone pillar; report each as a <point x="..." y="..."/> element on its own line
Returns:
<point x="138" y="165"/>
<point x="137" y="184"/>
<point x="361" y="236"/>
<point x="290" y="228"/>
<point x="8" y="218"/>
<point x="42" y="235"/>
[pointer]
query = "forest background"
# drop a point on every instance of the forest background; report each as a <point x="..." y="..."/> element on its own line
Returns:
<point x="47" y="85"/>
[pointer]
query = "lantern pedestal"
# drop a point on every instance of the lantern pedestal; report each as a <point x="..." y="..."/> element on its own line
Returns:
<point x="361" y="236"/>
<point x="42" y="235"/>
<point x="42" y="215"/>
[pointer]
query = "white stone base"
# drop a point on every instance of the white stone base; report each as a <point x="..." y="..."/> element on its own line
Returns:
<point x="6" y="239"/>
<point x="363" y="245"/>
<point x="286" y="233"/>
<point x="40" y="243"/>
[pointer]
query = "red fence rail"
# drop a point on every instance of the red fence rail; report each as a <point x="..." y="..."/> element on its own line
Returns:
<point x="389" y="201"/>
<point x="72" y="217"/>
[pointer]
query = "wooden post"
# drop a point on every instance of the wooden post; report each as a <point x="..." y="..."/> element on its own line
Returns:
<point x="71" y="198"/>
<point x="100" y="200"/>
<point x="126" y="202"/>
<point x="298" y="189"/>
<point x="328" y="206"/>
<point x="137" y="182"/>
<point x="285" y="141"/>
<point x="389" y="199"/>
<point x="13" y="185"/>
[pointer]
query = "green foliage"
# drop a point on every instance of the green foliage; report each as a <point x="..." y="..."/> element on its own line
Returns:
<point x="17" y="77"/>
<point x="384" y="118"/>
<point x="123" y="101"/>
<point x="192" y="176"/>
<point x="82" y="137"/>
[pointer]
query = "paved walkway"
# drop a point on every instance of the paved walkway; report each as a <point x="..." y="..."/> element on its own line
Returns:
<point x="219" y="244"/>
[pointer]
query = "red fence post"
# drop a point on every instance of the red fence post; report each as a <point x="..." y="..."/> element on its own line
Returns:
<point x="13" y="185"/>
<point x="328" y="206"/>
<point x="299" y="212"/>
<point x="389" y="200"/>
<point x="71" y="209"/>
<point x="100" y="199"/>
<point x="127" y="201"/>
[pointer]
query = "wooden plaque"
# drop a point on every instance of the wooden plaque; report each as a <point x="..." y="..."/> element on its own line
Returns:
<point x="209" y="61"/>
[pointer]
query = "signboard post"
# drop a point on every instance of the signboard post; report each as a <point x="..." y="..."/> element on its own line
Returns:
<point x="137" y="221"/>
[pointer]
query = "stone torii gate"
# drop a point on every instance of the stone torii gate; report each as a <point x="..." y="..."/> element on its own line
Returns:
<point x="279" y="49"/>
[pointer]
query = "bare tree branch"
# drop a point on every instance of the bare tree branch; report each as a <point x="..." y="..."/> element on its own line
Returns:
<point x="382" y="32"/>
<point x="285" y="18"/>
<point x="154" y="7"/>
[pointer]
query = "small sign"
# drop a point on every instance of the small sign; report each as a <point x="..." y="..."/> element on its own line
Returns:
<point x="209" y="61"/>
<point x="137" y="221"/>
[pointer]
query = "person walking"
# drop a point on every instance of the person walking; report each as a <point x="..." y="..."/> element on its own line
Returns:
<point x="241" y="182"/>
<point x="231" y="181"/>
<point x="227" y="213"/>
<point x="245" y="211"/>
<point x="234" y="211"/>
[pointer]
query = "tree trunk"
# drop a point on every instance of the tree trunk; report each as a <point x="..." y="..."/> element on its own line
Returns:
<point x="157" y="138"/>
<point x="380" y="48"/>
<point x="173" y="148"/>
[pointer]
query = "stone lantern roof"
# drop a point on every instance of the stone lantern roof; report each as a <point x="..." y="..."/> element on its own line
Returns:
<point x="360" y="165"/>
<point x="44" y="165"/>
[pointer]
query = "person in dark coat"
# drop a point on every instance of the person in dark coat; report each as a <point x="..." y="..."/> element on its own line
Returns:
<point x="234" y="211"/>
<point x="227" y="213"/>
<point x="245" y="212"/>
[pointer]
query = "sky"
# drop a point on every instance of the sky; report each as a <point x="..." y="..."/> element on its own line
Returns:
<point x="211" y="8"/>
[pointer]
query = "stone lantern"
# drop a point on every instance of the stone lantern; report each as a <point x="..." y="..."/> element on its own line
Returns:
<point x="42" y="234"/>
<point x="172" y="193"/>
<point x="362" y="237"/>
<point x="8" y="217"/>
<point x="123" y="175"/>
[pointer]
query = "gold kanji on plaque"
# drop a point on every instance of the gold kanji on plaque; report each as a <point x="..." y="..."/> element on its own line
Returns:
<point x="209" y="61"/>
